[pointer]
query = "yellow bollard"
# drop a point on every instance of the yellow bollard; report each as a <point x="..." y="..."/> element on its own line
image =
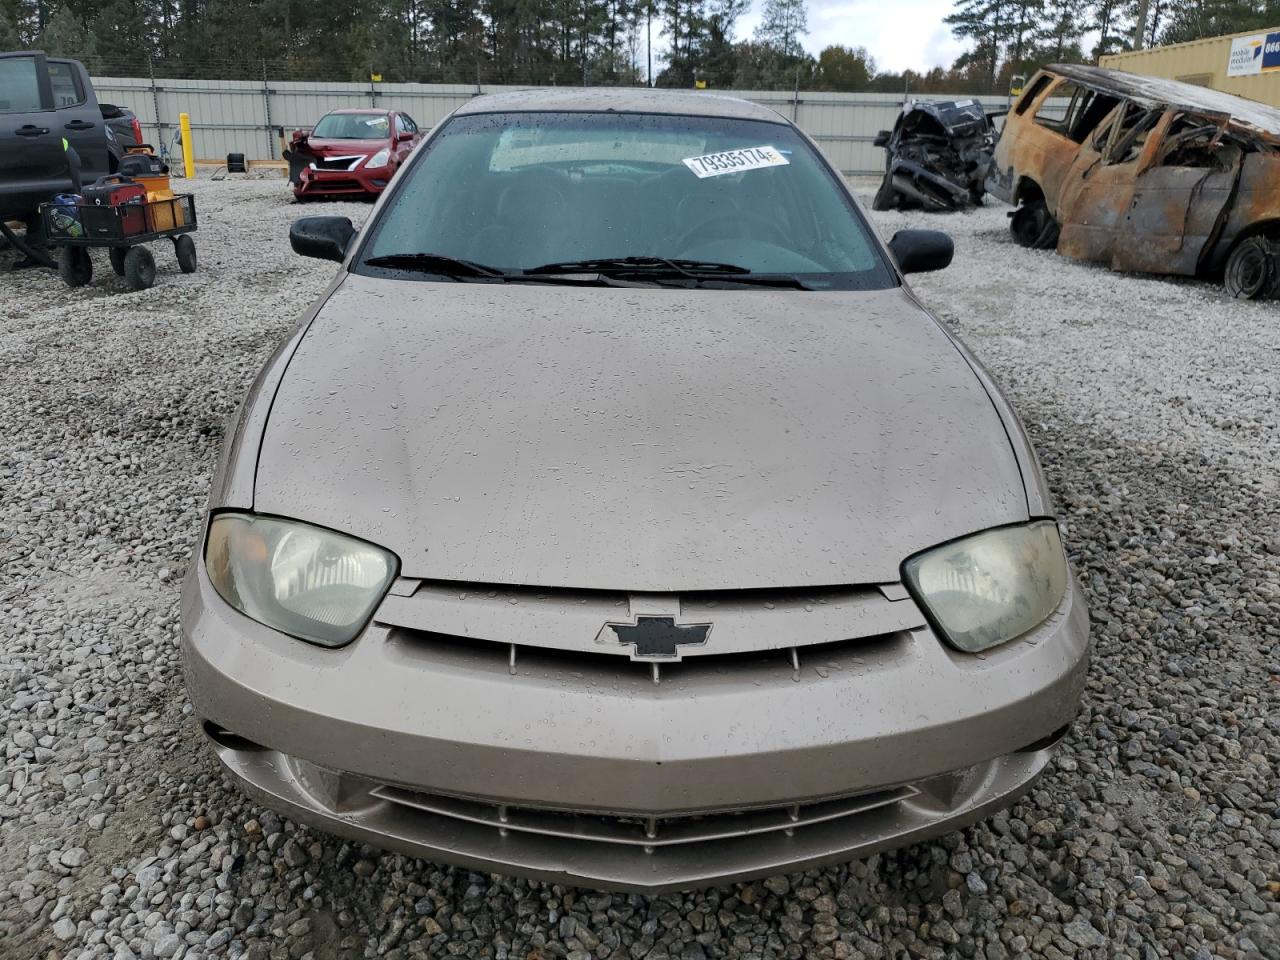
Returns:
<point x="188" y="153"/>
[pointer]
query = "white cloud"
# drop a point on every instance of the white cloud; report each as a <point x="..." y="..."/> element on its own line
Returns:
<point x="906" y="34"/>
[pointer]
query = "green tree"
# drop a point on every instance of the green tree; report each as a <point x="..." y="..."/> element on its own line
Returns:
<point x="782" y="24"/>
<point x="1060" y="32"/>
<point x="8" y="30"/>
<point x="1111" y="21"/>
<point x="845" y="68"/>
<point x="987" y="24"/>
<point x="64" y="35"/>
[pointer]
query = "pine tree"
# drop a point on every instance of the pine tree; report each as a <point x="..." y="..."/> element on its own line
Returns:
<point x="8" y="29"/>
<point x="1110" y="20"/>
<point x="986" y="23"/>
<point x="64" y="35"/>
<point x="782" y="24"/>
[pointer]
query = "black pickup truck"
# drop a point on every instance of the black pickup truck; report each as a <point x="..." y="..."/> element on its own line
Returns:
<point x="42" y="101"/>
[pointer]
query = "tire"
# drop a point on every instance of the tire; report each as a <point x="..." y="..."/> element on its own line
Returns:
<point x="886" y="197"/>
<point x="1252" y="270"/>
<point x="74" y="266"/>
<point x="139" y="268"/>
<point x="117" y="260"/>
<point x="1033" y="226"/>
<point x="184" y="248"/>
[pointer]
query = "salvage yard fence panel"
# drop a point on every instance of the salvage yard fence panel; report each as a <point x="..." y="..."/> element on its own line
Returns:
<point x="246" y="116"/>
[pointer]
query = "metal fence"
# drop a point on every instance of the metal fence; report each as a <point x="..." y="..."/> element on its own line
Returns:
<point x="245" y="116"/>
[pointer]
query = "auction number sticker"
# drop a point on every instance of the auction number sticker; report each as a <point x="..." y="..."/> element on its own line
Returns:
<point x="733" y="161"/>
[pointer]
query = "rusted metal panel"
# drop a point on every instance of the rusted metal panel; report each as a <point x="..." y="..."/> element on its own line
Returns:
<point x="1174" y="213"/>
<point x="1257" y="201"/>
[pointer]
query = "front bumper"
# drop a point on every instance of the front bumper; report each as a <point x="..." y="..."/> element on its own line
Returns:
<point x="336" y="183"/>
<point x="549" y="773"/>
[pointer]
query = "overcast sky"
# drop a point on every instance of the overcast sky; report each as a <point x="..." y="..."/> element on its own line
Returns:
<point x="897" y="33"/>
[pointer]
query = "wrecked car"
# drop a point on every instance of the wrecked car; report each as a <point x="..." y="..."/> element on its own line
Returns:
<point x="350" y="153"/>
<point x="938" y="156"/>
<point x="1144" y="174"/>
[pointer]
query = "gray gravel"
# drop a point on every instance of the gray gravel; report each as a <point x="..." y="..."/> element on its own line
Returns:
<point x="1152" y="403"/>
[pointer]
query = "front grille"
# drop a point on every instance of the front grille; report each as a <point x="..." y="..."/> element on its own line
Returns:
<point x="766" y="633"/>
<point x="647" y="833"/>
<point x="336" y="163"/>
<point x="590" y="667"/>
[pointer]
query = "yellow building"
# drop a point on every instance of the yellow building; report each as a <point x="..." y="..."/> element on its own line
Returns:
<point x="1246" y="64"/>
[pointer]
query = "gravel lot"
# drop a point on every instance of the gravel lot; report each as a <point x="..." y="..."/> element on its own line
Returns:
<point x="1153" y="404"/>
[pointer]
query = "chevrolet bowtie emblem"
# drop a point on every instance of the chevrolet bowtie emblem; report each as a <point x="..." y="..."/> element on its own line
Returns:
<point x="659" y="638"/>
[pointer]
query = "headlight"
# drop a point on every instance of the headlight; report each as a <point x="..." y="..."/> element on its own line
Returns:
<point x="991" y="587"/>
<point x="379" y="159"/>
<point x="311" y="583"/>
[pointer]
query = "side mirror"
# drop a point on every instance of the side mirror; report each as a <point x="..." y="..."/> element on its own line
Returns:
<point x="919" y="251"/>
<point x="326" y="238"/>
<point x="882" y="139"/>
<point x="404" y="135"/>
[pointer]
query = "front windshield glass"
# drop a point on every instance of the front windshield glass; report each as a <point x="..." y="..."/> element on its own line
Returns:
<point x="352" y="126"/>
<point x="521" y="190"/>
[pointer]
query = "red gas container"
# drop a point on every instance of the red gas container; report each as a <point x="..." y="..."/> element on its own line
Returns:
<point x="126" y="197"/>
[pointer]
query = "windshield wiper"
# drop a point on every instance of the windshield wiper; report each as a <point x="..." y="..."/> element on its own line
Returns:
<point x="467" y="270"/>
<point x="691" y="268"/>
<point x="437" y="263"/>
<point x="695" y="271"/>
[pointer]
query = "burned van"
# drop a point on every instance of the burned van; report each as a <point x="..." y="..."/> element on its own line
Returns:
<point x="1144" y="174"/>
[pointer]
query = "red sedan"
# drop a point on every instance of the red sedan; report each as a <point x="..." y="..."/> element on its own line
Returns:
<point x="350" y="153"/>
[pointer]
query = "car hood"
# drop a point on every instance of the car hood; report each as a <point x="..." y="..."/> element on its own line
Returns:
<point x="635" y="439"/>
<point x="345" y="148"/>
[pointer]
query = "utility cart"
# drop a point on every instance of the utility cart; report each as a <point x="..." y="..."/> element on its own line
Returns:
<point x="75" y="226"/>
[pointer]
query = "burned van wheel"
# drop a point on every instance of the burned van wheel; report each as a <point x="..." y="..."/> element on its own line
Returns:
<point x="139" y="268"/>
<point x="117" y="260"/>
<point x="74" y="266"/>
<point x="184" y="248"/>
<point x="1033" y="226"/>
<point x="1251" y="269"/>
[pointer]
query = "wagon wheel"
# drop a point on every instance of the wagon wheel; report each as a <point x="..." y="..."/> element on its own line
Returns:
<point x="1032" y="225"/>
<point x="117" y="259"/>
<point x="139" y="268"/>
<point x="184" y="248"/>
<point x="1251" y="271"/>
<point x="74" y="266"/>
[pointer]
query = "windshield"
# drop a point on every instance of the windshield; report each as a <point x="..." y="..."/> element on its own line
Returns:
<point x="518" y="191"/>
<point x="352" y="126"/>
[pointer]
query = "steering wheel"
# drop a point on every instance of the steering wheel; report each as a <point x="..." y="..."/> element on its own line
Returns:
<point x="735" y="219"/>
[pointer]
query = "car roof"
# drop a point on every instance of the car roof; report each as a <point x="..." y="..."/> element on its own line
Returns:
<point x="362" y="110"/>
<point x="1152" y="92"/>
<point x="621" y="100"/>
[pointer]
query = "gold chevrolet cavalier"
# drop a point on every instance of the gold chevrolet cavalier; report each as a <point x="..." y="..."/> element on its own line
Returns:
<point x="619" y="516"/>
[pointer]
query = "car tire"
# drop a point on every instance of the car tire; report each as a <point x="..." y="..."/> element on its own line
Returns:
<point x="1252" y="271"/>
<point x="886" y="197"/>
<point x="117" y="259"/>
<point x="184" y="248"/>
<point x="1033" y="226"/>
<point x="139" y="268"/>
<point x="74" y="266"/>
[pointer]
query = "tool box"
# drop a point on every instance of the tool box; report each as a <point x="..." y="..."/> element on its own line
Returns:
<point x="100" y="215"/>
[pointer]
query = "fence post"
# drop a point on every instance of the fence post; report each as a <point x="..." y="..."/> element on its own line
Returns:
<point x="266" y="105"/>
<point x="155" y="107"/>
